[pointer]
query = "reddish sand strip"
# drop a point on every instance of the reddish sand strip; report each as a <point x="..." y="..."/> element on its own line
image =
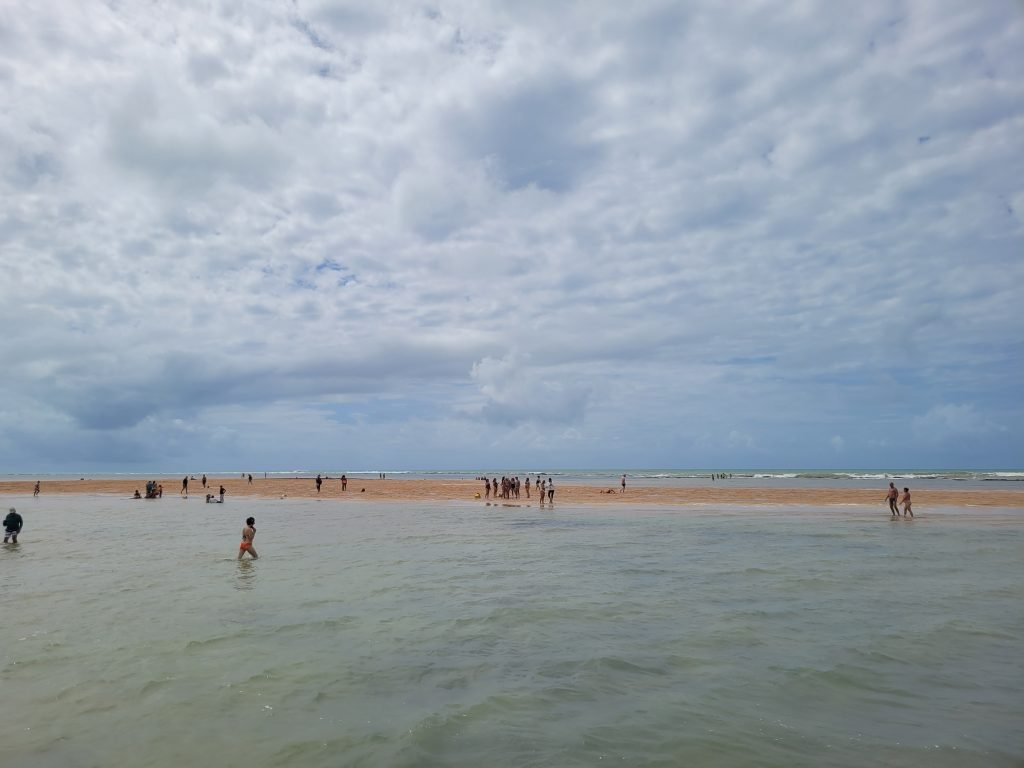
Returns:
<point x="465" y="490"/>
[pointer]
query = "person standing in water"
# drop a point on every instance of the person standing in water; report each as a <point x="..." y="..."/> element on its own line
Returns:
<point x="892" y="495"/>
<point x="906" y="503"/>
<point x="248" y="534"/>
<point x="12" y="526"/>
<point x="551" y="491"/>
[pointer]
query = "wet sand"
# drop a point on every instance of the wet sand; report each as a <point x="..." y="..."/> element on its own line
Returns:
<point x="565" y="493"/>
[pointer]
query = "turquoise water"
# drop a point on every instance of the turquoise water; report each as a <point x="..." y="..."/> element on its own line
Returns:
<point x="464" y="635"/>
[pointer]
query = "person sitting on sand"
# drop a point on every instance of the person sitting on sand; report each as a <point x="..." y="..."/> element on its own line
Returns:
<point x="892" y="495"/>
<point x="906" y="503"/>
<point x="248" y="534"/>
<point x="12" y="526"/>
<point x="137" y="494"/>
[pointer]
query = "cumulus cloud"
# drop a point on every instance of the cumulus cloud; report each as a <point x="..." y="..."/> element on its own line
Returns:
<point x="610" y="234"/>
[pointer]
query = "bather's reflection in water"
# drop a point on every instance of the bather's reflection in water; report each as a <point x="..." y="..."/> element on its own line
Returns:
<point x="246" y="574"/>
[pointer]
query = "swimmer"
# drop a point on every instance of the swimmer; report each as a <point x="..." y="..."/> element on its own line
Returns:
<point x="12" y="526"/>
<point x="248" y="534"/>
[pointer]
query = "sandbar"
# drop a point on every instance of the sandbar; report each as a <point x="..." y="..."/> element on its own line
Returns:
<point x="399" y="489"/>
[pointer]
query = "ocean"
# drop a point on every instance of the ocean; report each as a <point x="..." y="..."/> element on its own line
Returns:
<point x="415" y="634"/>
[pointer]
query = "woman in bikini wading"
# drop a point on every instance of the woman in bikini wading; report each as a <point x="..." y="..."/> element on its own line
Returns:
<point x="248" y="534"/>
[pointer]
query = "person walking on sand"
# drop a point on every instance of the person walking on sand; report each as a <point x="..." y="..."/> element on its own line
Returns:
<point x="319" y="481"/>
<point x="35" y="491"/>
<point x="184" y="487"/>
<point x="892" y="495"/>
<point x="250" y="479"/>
<point x="906" y="503"/>
<point x="623" y="484"/>
<point x="12" y="526"/>
<point x="551" y="491"/>
<point x="248" y="534"/>
<point x="204" y="481"/>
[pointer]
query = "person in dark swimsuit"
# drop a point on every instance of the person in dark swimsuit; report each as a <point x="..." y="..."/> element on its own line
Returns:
<point x="892" y="496"/>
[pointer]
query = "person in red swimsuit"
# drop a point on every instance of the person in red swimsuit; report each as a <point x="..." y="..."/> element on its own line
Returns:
<point x="248" y="534"/>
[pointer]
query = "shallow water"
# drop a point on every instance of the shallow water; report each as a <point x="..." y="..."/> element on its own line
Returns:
<point x="464" y="635"/>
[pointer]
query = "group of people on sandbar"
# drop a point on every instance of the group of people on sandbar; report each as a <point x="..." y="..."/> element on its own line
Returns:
<point x="893" y="496"/>
<point x="320" y="481"/>
<point x="509" y="488"/>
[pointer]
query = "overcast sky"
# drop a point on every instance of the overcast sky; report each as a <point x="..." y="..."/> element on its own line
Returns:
<point x="340" y="235"/>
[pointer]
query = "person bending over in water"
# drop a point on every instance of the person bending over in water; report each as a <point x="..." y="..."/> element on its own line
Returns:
<point x="906" y="503"/>
<point x="248" y="534"/>
<point x="12" y="526"/>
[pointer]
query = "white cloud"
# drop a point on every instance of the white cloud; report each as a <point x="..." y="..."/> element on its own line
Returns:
<point x="667" y="231"/>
